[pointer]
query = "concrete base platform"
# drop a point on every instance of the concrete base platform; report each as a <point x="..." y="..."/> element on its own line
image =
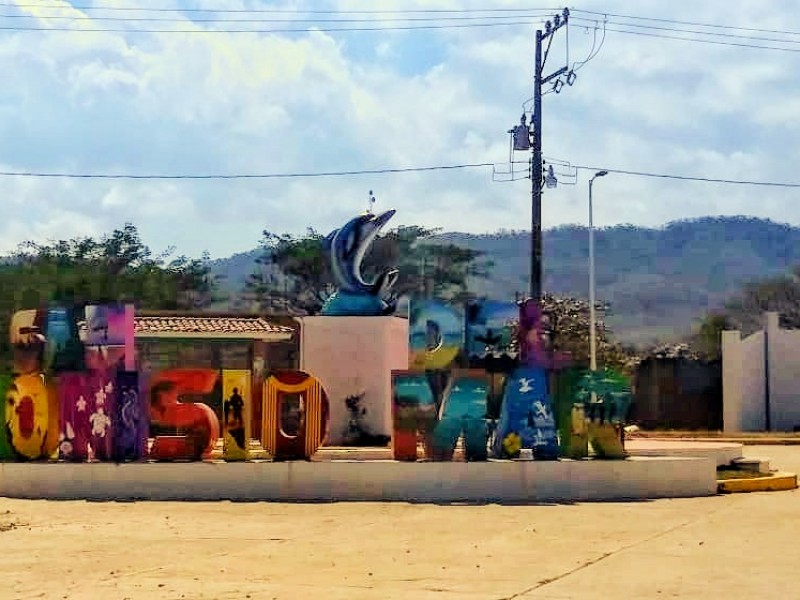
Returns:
<point x="724" y="453"/>
<point x="341" y="480"/>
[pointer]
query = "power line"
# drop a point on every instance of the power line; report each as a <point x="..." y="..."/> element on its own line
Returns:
<point x="287" y="30"/>
<point x="425" y="26"/>
<point x="703" y="41"/>
<point x="435" y="20"/>
<point x="577" y="66"/>
<point x="509" y="12"/>
<point x="696" y="32"/>
<point x="246" y="176"/>
<point x="273" y="20"/>
<point x="690" y="178"/>
<point x="693" y="23"/>
<point x="488" y="14"/>
<point x="273" y="10"/>
<point x="386" y="171"/>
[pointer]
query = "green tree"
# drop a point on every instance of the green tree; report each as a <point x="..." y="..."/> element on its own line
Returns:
<point x="745" y="312"/>
<point x="115" y="267"/>
<point x="570" y="322"/>
<point x="293" y="274"/>
<point x="707" y="342"/>
<point x="775" y="294"/>
<point x="568" y="325"/>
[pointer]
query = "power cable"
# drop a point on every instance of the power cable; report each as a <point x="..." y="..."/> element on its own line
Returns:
<point x="697" y="32"/>
<point x="245" y="176"/>
<point x="689" y="178"/>
<point x="693" y="23"/>
<point x="270" y="20"/>
<point x="311" y="174"/>
<point x="273" y="10"/>
<point x="310" y="27"/>
<point x="593" y="52"/>
<point x="511" y="12"/>
<point x="703" y="41"/>
<point x="287" y="30"/>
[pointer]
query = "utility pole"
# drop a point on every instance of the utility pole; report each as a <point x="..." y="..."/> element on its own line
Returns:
<point x="537" y="174"/>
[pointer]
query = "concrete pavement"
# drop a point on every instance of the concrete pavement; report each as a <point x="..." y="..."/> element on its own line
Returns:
<point x="735" y="546"/>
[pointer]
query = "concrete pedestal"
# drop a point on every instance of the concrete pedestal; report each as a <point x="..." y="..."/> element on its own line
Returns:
<point x="353" y="356"/>
<point x="367" y="481"/>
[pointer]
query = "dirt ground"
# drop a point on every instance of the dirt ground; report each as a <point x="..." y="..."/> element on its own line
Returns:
<point x="736" y="546"/>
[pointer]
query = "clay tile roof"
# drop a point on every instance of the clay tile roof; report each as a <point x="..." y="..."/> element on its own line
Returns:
<point x="248" y="327"/>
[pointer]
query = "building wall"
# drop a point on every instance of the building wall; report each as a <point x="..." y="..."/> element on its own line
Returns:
<point x="746" y="388"/>
<point x="677" y="393"/>
<point x="157" y="355"/>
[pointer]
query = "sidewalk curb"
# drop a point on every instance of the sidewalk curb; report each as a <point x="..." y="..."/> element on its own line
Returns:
<point x="777" y="482"/>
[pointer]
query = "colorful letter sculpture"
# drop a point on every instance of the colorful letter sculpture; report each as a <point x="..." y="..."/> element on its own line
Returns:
<point x="73" y="393"/>
<point x="193" y="426"/>
<point x="64" y="351"/>
<point x="535" y="339"/>
<point x="130" y="419"/>
<point x="31" y="417"/>
<point x="236" y="414"/>
<point x="296" y="415"/>
<point x="463" y="410"/>
<point x="26" y="335"/>
<point x="526" y="417"/>
<point x="88" y="410"/>
<point x="607" y="413"/>
<point x="413" y="411"/>
<point x="6" y="449"/>
<point x="437" y="335"/>
<point x="346" y="248"/>
<point x="106" y="324"/>
<point x="490" y="328"/>
<point x="102" y="392"/>
<point x="570" y="414"/>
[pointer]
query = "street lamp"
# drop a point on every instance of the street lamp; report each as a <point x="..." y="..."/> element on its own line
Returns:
<point x="592" y="319"/>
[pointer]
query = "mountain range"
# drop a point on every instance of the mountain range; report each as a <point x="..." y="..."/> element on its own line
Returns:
<point x="658" y="282"/>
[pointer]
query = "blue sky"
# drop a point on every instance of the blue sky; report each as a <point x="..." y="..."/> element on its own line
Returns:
<point x="267" y="103"/>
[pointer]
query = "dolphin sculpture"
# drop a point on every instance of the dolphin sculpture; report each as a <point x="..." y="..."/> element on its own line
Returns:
<point x="346" y="248"/>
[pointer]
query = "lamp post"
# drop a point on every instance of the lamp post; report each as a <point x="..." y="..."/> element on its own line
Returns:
<point x="592" y="319"/>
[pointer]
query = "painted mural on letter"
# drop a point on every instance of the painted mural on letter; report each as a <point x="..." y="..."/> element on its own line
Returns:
<point x="185" y="427"/>
<point x="436" y="334"/>
<point x="236" y="414"/>
<point x="296" y="415"/>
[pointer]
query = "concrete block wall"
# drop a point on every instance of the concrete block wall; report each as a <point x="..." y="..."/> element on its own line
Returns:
<point x="760" y="378"/>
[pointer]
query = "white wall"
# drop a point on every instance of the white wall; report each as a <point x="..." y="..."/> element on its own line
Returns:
<point x="744" y="380"/>
<point x="784" y="375"/>
<point x="743" y="389"/>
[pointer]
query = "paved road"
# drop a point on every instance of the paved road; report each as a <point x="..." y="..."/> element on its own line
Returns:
<point x="737" y="546"/>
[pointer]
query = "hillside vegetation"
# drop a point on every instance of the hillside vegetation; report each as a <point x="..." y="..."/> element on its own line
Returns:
<point x="657" y="281"/>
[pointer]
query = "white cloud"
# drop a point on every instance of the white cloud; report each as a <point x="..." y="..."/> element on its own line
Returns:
<point x="219" y="103"/>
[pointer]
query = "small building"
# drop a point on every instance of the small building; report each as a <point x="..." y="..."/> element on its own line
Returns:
<point x="168" y="340"/>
